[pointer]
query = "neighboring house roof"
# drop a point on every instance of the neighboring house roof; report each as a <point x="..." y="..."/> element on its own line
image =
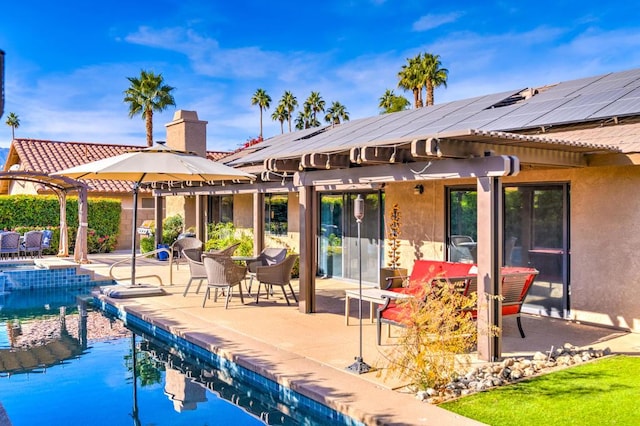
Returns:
<point x="52" y="156"/>
<point x="609" y="98"/>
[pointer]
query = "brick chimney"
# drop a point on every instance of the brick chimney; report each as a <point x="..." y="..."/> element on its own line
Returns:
<point x="187" y="133"/>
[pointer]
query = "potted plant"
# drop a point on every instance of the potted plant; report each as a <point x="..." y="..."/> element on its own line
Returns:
<point x="393" y="268"/>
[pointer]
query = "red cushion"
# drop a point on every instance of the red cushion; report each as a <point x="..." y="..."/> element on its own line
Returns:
<point x="399" y="314"/>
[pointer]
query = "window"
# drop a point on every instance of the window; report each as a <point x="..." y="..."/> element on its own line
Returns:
<point x="226" y="208"/>
<point x="148" y="203"/>
<point x="276" y="214"/>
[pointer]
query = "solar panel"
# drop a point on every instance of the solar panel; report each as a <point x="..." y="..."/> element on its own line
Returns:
<point x="525" y="114"/>
<point x="627" y="104"/>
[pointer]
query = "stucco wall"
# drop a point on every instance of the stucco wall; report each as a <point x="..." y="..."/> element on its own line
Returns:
<point x="422" y="222"/>
<point x="605" y="267"/>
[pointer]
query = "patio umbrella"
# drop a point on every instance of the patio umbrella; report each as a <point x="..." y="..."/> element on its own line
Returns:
<point x="154" y="164"/>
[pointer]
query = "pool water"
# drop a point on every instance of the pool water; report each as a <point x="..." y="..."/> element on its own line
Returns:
<point x="94" y="384"/>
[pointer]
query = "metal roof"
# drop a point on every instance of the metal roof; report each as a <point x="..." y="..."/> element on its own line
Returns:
<point x="583" y="100"/>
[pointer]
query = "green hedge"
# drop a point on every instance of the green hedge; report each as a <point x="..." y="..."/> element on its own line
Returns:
<point x="25" y="212"/>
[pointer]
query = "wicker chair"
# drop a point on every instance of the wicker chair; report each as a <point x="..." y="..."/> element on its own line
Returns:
<point x="223" y="274"/>
<point x="227" y="251"/>
<point x="277" y="275"/>
<point x="9" y="244"/>
<point x="32" y="244"/>
<point x="185" y="243"/>
<point x="268" y="256"/>
<point x="196" y="268"/>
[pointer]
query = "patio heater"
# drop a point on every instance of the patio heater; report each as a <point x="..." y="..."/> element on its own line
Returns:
<point x="359" y="366"/>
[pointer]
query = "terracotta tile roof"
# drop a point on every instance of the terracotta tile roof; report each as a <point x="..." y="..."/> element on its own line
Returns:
<point x="217" y="155"/>
<point x="52" y="156"/>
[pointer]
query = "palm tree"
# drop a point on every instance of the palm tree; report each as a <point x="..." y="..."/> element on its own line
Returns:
<point x="434" y="74"/>
<point x="147" y="94"/>
<point x="409" y="79"/>
<point x="316" y="105"/>
<point x="13" y="121"/>
<point x="280" y="114"/>
<point x="263" y="100"/>
<point x="336" y="113"/>
<point x="304" y="120"/>
<point x="390" y="102"/>
<point x="289" y="102"/>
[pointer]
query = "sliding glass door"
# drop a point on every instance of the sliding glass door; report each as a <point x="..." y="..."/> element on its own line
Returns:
<point x="338" y="244"/>
<point x="536" y="234"/>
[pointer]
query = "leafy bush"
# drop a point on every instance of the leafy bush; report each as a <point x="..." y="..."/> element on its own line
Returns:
<point x="147" y="244"/>
<point x="223" y="235"/>
<point x="171" y="227"/>
<point x="97" y="243"/>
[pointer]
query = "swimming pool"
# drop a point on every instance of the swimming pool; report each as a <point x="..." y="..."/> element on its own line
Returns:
<point x="176" y="384"/>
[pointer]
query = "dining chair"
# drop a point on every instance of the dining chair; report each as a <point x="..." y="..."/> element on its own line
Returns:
<point x="185" y="243"/>
<point x="223" y="274"/>
<point x="9" y="244"/>
<point x="268" y="256"/>
<point x="196" y="268"/>
<point x="32" y="243"/>
<point x="277" y="275"/>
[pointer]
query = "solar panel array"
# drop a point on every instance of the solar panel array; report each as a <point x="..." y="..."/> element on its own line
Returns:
<point x="575" y="101"/>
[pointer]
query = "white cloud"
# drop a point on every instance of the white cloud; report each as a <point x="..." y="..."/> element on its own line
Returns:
<point x="429" y="22"/>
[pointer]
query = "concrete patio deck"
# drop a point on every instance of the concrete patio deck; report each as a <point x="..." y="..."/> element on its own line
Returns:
<point x="309" y="352"/>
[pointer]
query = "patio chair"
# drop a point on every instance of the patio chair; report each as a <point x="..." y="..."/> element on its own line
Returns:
<point x="196" y="268"/>
<point x="32" y="244"/>
<point x="223" y="274"/>
<point x="47" y="234"/>
<point x="227" y="251"/>
<point x="9" y="244"/>
<point x="268" y="256"/>
<point x="278" y="275"/>
<point x="185" y="243"/>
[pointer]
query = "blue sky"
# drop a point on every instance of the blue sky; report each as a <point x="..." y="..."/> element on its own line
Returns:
<point x="66" y="62"/>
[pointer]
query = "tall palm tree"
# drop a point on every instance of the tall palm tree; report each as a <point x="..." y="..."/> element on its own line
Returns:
<point x="147" y="94"/>
<point x="409" y="79"/>
<point x="336" y="113"/>
<point x="434" y="74"/>
<point x="280" y="114"/>
<point x="263" y="100"/>
<point x="289" y="102"/>
<point x="316" y="104"/>
<point x="13" y="121"/>
<point x="390" y="102"/>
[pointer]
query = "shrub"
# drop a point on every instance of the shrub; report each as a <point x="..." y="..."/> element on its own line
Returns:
<point x="438" y="338"/>
<point x="171" y="227"/>
<point x="223" y="235"/>
<point x="147" y="244"/>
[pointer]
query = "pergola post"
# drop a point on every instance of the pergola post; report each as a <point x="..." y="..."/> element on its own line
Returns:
<point x="308" y="224"/>
<point x="490" y="248"/>
<point x="63" y="242"/>
<point x="258" y="223"/>
<point x="80" y="251"/>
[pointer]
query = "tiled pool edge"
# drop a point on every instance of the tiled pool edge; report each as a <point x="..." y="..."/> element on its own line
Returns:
<point x="221" y="358"/>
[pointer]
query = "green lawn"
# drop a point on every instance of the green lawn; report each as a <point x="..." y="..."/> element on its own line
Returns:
<point x="604" y="392"/>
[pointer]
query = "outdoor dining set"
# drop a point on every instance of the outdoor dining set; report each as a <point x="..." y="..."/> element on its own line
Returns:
<point x="222" y="271"/>
<point x="13" y="245"/>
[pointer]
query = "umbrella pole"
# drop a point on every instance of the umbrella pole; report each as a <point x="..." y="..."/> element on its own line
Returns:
<point x="136" y="186"/>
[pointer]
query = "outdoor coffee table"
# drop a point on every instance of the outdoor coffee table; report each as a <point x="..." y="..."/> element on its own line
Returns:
<point x="371" y="295"/>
